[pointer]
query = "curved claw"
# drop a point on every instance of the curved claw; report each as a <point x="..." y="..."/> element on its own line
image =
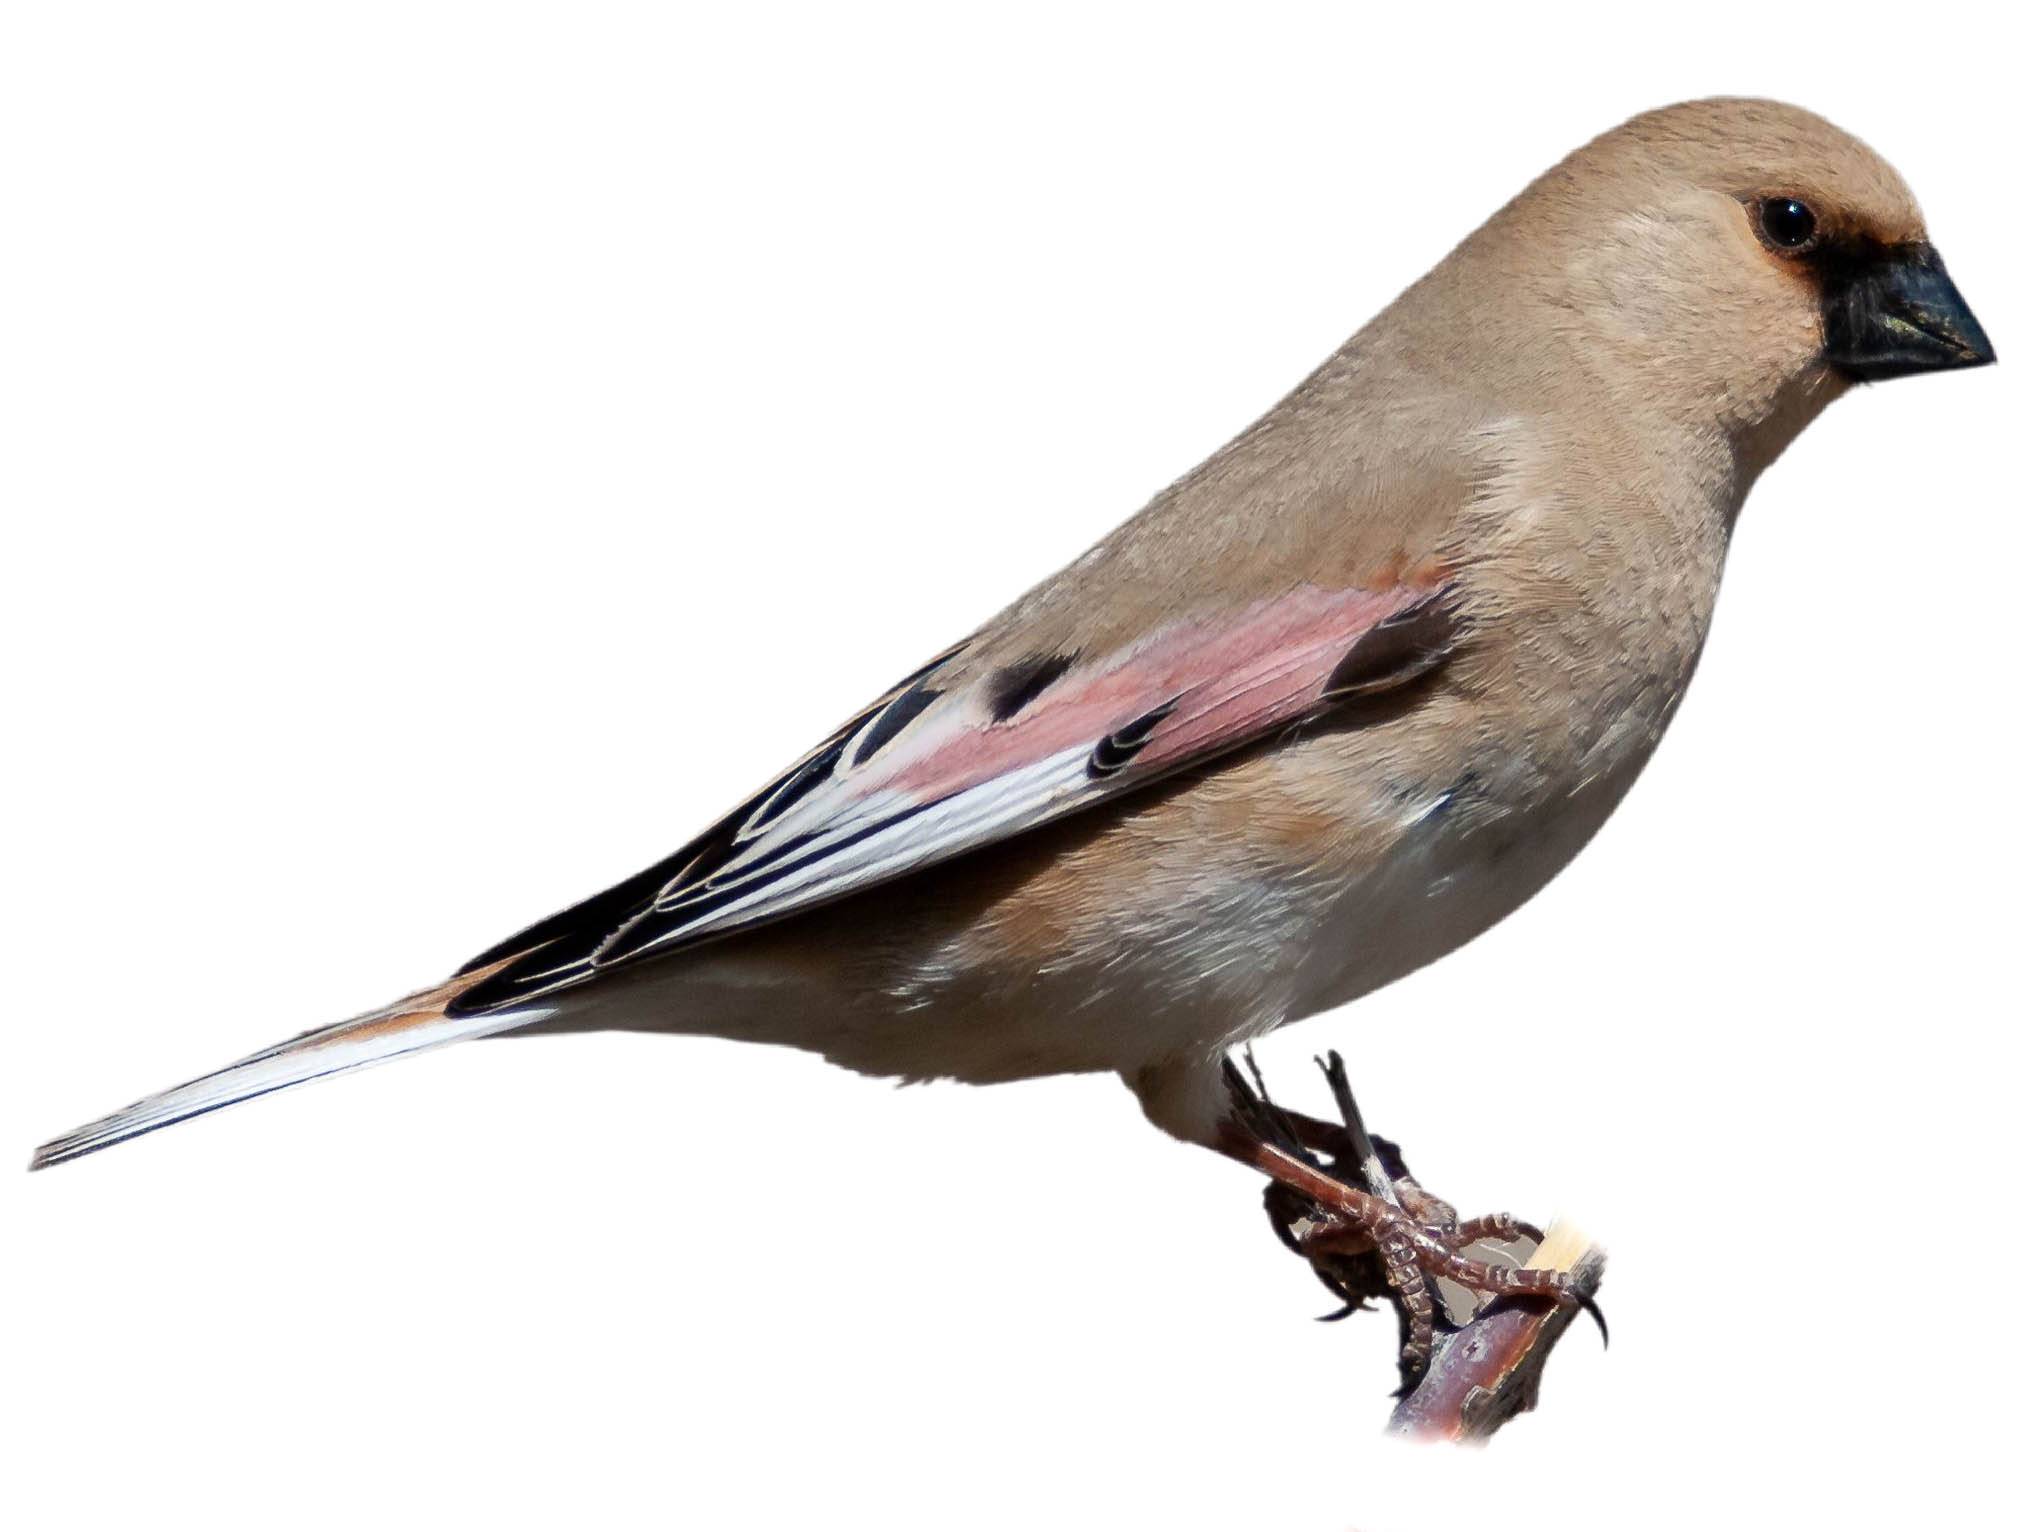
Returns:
<point x="1589" y="1307"/>
<point x="1340" y="1313"/>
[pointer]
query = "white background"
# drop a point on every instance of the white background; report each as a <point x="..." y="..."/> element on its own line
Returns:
<point x="451" y="453"/>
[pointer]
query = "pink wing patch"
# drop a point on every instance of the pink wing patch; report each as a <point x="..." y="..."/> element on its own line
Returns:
<point x="1225" y="683"/>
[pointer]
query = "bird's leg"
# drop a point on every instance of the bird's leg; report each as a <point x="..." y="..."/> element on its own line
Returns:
<point x="1380" y="1162"/>
<point x="1365" y="1224"/>
<point x="1374" y="1163"/>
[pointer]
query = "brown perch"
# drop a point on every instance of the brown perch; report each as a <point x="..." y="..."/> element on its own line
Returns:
<point x="1489" y="1370"/>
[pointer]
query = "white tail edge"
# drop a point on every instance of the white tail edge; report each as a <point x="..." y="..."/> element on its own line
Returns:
<point x="413" y="1025"/>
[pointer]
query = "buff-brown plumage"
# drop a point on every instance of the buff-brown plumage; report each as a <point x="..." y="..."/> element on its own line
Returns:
<point x="1548" y="438"/>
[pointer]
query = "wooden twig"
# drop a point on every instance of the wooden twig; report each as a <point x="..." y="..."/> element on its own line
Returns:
<point x="1489" y="1370"/>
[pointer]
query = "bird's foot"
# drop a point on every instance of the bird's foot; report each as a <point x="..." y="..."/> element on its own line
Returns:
<point x="1363" y="1247"/>
<point x="1345" y="1201"/>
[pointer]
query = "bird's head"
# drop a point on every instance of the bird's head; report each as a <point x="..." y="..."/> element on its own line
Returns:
<point x="1739" y="260"/>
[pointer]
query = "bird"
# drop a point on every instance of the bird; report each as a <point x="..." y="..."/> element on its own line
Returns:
<point x="1333" y="703"/>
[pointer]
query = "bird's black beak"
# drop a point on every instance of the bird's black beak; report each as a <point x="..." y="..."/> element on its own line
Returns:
<point x="1891" y="310"/>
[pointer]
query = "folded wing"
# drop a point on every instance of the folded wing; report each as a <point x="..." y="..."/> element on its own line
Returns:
<point x="967" y="752"/>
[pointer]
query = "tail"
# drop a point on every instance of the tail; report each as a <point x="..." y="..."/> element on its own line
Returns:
<point x="412" y="1025"/>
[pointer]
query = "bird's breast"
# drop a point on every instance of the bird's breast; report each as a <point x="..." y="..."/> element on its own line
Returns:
<point x="1476" y="800"/>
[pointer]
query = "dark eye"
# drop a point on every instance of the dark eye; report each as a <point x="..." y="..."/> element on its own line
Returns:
<point x="1786" y="223"/>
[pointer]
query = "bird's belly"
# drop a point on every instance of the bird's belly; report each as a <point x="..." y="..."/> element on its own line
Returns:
<point x="1447" y="881"/>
